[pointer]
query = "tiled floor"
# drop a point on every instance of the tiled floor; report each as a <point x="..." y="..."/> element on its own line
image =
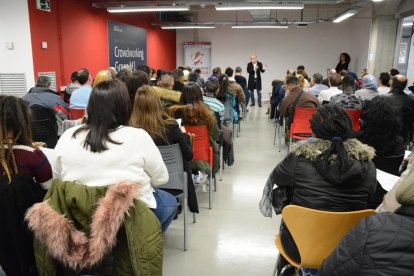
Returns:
<point x="233" y="238"/>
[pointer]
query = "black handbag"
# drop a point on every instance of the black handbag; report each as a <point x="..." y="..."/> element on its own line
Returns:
<point x="280" y="199"/>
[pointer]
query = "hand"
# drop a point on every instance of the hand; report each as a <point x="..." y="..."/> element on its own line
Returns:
<point x="183" y="130"/>
<point x="265" y="67"/>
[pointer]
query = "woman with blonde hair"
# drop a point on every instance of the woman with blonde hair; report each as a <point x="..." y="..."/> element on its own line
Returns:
<point x="102" y="75"/>
<point x="148" y="114"/>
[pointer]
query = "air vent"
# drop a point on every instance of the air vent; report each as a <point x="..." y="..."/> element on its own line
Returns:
<point x="13" y="84"/>
<point x="52" y="76"/>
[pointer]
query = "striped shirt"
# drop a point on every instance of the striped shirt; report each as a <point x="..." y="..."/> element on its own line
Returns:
<point x="215" y="105"/>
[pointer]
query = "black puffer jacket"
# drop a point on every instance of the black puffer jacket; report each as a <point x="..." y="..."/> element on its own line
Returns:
<point x="327" y="190"/>
<point x="380" y="245"/>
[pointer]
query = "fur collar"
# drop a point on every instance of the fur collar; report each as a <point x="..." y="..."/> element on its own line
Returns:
<point x="71" y="246"/>
<point x="312" y="147"/>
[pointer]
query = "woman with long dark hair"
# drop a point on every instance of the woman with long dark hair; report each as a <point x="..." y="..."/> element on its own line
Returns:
<point x="105" y="151"/>
<point x="330" y="172"/>
<point x="343" y="64"/>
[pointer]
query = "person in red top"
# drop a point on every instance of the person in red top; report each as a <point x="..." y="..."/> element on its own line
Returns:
<point x="17" y="154"/>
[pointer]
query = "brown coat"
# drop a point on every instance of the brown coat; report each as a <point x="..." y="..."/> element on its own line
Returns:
<point x="237" y="90"/>
<point x="306" y="100"/>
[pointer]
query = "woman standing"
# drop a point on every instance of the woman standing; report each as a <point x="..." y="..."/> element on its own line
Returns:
<point x="344" y="60"/>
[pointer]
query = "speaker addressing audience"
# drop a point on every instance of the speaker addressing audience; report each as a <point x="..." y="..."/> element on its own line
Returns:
<point x="343" y="64"/>
<point x="255" y="68"/>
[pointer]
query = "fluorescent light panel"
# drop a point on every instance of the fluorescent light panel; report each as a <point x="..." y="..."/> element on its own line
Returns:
<point x="407" y="24"/>
<point x="147" y="9"/>
<point x="344" y="16"/>
<point x="259" y="27"/>
<point x="172" y="27"/>
<point x="267" y="6"/>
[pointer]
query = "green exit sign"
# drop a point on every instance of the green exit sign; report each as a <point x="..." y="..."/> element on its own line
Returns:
<point x="43" y="5"/>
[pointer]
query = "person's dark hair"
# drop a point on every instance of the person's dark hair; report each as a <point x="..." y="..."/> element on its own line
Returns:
<point x="83" y="76"/>
<point x="229" y="72"/>
<point x="212" y="86"/>
<point x="138" y="79"/>
<point x="123" y="76"/>
<point x="182" y="68"/>
<point x="347" y="58"/>
<point x="108" y="108"/>
<point x="188" y="68"/>
<point x="191" y="94"/>
<point x="335" y="80"/>
<point x="276" y="82"/>
<point x="145" y="68"/>
<point x="397" y="84"/>
<point x="178" y="74"/>
<point x="192" y="76"/>
<point x="394" y="72"/>
<point x="348" y="81"/>
<point x="238" y="69"/>
<point x="14" y="120"/>
<point x="300" y="67"/>
<point x="332" y="123"/>
<point x="224" y="86"/>
<point x="74" y="76"/>
<point x="43" y="81"/>
<point x="384" y="78"/>
<point x="292" y="80"/>
<point x="216" y="71"/>
<point x="380" y="126"/>
<point x="198" y="71"/>
<point x="317" y="78"/>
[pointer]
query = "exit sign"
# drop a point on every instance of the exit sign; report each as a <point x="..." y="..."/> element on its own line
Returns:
<point x="43" y="5"/>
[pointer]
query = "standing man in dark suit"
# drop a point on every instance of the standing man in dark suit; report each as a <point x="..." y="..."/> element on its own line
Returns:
<point x="255" y="68"/>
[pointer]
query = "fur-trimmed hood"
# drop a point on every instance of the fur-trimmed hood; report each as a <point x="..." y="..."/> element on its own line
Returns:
<point x="313" y="147"/>
<point x="355" y="170"/>
<point x="73" y="247"/>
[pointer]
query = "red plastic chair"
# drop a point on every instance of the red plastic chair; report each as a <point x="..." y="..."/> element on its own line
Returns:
<point x="76" y="113"/>
<point x="202" y="151"/>
<point x="300" y="128"/>
<point x="355" y="115"/>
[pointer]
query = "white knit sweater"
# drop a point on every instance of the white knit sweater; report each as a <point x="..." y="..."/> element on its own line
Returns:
<point x="137" y="159"/>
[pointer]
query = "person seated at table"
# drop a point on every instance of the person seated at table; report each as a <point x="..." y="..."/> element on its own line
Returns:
<point x="17" y="153"/>
<point x="105" y="151"/>
<point x="329" y="172"/>
<point x="148" y="114"/>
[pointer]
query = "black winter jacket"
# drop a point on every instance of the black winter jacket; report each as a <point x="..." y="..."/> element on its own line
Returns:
<point x="380" y="245"/>
<point x="405" y="105"/>
<point x="327" y="190"/>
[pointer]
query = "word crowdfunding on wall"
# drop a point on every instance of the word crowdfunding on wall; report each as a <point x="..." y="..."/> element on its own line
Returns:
<point x="127" y="45"/>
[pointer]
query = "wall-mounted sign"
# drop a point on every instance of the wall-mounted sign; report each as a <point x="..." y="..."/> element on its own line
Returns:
<point x="43" y="5"/>
<point x="127" y="45"/>
<point x="198" y="55"/>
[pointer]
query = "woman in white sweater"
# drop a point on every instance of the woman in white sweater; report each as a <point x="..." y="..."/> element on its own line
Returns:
<point x="105" y="151"/>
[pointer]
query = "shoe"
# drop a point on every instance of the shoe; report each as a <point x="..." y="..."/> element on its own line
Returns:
<point x="252" y="104"/>
<point x="260" y="105"/>
<point x="247" y="110"/>
<point x="197" y="178"/>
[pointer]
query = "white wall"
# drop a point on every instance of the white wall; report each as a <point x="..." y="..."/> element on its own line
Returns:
<point x="15" y="28"/>
<point x="317" y="46"/>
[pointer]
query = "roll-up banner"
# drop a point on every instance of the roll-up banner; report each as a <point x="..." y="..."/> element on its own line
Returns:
<point x="198" y="55"/>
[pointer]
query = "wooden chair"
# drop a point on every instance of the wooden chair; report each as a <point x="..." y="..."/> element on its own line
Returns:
<point x="316" y="233"/>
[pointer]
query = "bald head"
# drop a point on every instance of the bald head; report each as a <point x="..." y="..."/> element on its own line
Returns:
<point x="399" y="82"/>
<point x="253" y="58"/>
<point x="332" y="72"/>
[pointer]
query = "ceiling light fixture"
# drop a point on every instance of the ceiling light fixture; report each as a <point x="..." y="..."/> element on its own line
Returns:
<point x="265" y="6"/>
<point x="344" y="16"/>
<point x="259" y="27"/>
<point x="174" y="27"/>
<point x="376" y="0"/>
<point x="407" y="24"/>
<point x="148" y="9"/>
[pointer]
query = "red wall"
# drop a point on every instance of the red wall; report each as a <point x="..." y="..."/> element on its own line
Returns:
<point x="84" y="38"/>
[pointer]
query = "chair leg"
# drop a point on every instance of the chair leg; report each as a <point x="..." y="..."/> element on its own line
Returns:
<point x="274" y="137"/>
<point x="221" y="163"/>
<point x="290" y="142"/>
<point x="238" y="129"/>
<point x="275" y="269"/>
<point x="194" y="218"/>
<point x="185" y="207"/>
<point x="215" y="184"/>
<point x="210" y="190"/>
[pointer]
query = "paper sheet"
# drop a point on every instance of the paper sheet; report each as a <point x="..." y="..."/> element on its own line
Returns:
<point x="386" y="180"/>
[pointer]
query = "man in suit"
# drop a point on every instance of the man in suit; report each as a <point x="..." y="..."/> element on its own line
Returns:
<point x="255" y="68"/>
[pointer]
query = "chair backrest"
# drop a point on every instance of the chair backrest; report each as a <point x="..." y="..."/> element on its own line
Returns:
<point x="201" y="143"/>
<point x="301" y="121"/>
<point x="173" y="160"/>
<point x="317" y="233"/>
<point x="389" y="164"/>
<point x="355" y="115"/>
<point x="44" y="125"/>
<point x="76" y="113"/>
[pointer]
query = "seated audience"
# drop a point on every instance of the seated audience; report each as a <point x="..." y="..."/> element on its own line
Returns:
<point x="329" y="73"/>
<point x="278" y="93"/>
<point x="228" y="98"/>
<point x="200" y="80"/>
<point x="178" y="80"/>
<point x="149" y="115"/>
<point x="305" y="77"/>
<point x="18" y="155"/>
<point x="80" y="96"/>
<point x="72" y="86"/>
<point x="243" y="83"/>
<point x="212" y="88"/>
<point x="146" y="69"/>
<point x="393" y="72"/>
<point x="316" y="85"/>
<point x="326" y="95"/>
<point x="234" y="87"/>
<point x="138" y="79"/>
<point x="347" y="99"/>
<point x="98" y="153"/>
<point x="369" y="89"/>
<point x="383" y="84"/>
<point x="380" y="244"/>
<point x="403" y="102"/>
<point x="166" y="80"/>
<point x="330" y="172"/>
<point x="102" y="75"/>
<point x="112" y="71"/>
<point x="216" y="73"/>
